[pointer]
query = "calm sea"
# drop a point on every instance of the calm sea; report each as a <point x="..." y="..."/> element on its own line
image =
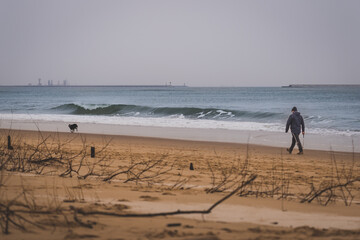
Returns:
<point x="326" y="110"/>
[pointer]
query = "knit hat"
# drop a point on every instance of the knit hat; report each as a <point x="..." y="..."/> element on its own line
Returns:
<point x="294" y="109"/>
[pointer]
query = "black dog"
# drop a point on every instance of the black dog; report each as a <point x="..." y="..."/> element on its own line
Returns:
<point x="73" y="127"/>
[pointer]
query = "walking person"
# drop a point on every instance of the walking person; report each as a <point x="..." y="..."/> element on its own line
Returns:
<point x="296" y="123"/>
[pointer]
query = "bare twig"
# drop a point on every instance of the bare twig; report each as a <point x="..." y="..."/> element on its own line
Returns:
<point x="178" y="212"/>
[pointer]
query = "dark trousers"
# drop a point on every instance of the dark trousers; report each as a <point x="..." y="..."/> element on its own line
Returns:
<point x="295" y="139"/>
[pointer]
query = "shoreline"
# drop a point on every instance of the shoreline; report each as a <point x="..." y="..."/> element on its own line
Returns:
<point x="338" y="143"/>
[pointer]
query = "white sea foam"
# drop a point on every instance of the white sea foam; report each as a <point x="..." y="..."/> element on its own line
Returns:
<point x="174" y="121"/>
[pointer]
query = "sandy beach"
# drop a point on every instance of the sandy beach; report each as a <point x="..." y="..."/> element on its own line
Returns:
<point x="55" y="189"/>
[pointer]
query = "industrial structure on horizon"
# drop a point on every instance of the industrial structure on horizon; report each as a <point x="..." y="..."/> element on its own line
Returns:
<point x="50" y="83"/>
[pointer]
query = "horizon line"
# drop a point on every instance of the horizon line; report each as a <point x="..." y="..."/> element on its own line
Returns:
<point x="155" y="85"/>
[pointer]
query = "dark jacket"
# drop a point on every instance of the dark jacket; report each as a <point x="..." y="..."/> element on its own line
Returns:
<point x="295" y="122"/>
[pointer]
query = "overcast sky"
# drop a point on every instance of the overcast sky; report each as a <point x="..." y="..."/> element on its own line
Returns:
<point x="200" y="43"/>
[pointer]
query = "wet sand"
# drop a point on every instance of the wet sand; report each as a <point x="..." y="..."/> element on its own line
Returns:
<point x="325" y="141"/>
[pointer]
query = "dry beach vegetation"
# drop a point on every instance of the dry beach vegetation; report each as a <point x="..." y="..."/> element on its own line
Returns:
<point x="143" y="188"/>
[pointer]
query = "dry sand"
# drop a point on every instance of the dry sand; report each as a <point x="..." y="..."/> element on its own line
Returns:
<point x="269" y="208"/>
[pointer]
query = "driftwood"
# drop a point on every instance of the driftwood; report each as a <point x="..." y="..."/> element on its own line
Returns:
<point x="178" y="212"/>
<point x="317" y="193"/>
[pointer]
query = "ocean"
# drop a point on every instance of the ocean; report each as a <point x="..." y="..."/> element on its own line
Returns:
<point x="327" y="110"/>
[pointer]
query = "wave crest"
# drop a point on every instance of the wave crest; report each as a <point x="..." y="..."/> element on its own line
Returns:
<point x="188" y="112"/>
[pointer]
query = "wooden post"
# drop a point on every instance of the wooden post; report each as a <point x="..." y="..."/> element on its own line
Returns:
<point x="191" y="166"/>
<point x="9" y="143"/>
<point x="92" y="152"/>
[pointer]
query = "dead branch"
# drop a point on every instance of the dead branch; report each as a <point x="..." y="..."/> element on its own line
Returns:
<point x="316" y="193"/>
<point x="229" y="176"/>
<point x="178" y="212"/>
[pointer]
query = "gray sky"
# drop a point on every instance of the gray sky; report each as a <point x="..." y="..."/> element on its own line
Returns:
<point x="200" y="43"/>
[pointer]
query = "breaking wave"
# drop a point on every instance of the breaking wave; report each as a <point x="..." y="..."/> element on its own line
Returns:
<point x="187" y="112"/>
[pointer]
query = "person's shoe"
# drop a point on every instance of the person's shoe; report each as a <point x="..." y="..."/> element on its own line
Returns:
<point x="300" y="153"/>
<point x="288" y="150"/>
